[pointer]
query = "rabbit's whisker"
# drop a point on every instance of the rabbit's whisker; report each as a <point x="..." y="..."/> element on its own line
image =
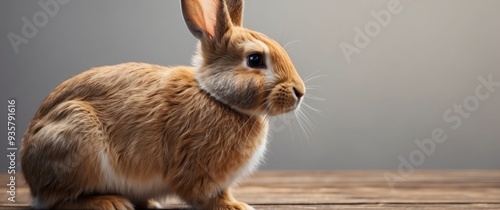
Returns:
<point x="291" y="42"/>
<point x="311" y="75"/>
<point x="303" y="127"/>
<point x="310" y="107"/>
<point x="313" y="97"/>
<point x="314" y="87"/>
<point x="315" y="77"/>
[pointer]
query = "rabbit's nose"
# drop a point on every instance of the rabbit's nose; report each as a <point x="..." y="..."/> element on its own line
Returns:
<point x="298" y="93"/>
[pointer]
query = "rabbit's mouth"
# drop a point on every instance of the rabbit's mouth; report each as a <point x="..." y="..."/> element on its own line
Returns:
<point x="284" y="98"/>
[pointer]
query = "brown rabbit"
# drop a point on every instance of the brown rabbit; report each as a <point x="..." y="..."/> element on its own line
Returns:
<point x="115" y="137"/>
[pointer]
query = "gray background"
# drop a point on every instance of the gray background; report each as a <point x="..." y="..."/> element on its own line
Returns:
<point x="394" y="91"/>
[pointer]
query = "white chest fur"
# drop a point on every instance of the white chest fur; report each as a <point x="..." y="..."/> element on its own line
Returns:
<point x="251" y="164"/>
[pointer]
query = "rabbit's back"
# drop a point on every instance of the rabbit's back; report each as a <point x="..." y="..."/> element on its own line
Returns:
<point x="122" y="97"/>
<point x="106" y="84"/>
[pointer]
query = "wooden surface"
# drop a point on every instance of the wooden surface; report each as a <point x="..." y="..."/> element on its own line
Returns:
<point x="345" y="190"/>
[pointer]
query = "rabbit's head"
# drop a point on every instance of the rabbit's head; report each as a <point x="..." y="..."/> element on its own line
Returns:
<point x="241" y="68"/>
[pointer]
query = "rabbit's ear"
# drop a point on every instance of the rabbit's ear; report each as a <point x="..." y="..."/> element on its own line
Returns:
<point x="206" y="18"/>
<point x="235" y="8"/>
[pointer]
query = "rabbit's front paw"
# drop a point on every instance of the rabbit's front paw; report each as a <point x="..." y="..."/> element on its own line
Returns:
<point x="234" y="205"/>
<point x="101" y="202"/>
<point x="114" y="202"/>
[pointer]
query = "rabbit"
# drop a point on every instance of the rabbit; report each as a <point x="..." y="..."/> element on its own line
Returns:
<point x="121" y="136"/>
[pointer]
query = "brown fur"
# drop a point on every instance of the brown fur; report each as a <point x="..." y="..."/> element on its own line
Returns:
<point x="192" y="129"/>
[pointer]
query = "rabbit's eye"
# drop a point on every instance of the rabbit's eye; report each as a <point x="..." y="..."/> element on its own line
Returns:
<point x="256" y="61"/>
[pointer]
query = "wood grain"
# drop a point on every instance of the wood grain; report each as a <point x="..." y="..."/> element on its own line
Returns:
<point x="465" y="189"/>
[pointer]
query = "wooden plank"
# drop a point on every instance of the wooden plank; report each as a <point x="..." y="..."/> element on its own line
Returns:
<point x="351" y="187"/>
<point x="381" y="206"/>
<point x="347" y="190"/>
<point x="347" y="207"/>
